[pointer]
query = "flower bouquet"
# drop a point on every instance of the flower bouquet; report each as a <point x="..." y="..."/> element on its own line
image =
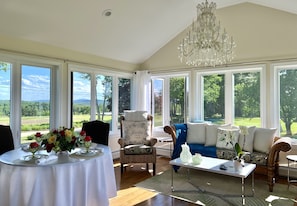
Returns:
<point x="62" y="139"/>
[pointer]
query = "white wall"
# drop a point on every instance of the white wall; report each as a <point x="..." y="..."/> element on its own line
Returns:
<point x="261" y="34"/>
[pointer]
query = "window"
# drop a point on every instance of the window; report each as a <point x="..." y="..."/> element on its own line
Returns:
<point x="287" y="75"/>
<point x="157" y="109"/>
<point x="170" y="99"/>
<point x="214" y="98"/>
<point x="104" y="98"/>
<point x="35" y="100"/>
<point x="98" y="96"/>
<point x="81" y="98"/>
<point x="247" y="98"/>
<point x="232" y="96"/>
<point x="5" y="69"/>
<point x="124" y="87"/>
<point x="178" y="100"/>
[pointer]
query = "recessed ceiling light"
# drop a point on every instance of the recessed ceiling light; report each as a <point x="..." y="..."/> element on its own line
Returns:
<point x="107" y="12"/>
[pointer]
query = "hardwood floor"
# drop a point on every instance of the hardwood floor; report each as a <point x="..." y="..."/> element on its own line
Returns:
<point x="129" y="195"/>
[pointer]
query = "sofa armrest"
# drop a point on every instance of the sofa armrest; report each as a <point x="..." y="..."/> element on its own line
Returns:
<point x="121" y="142"/>
<point x="171" y="130"/>
<point x="280" y="145"/>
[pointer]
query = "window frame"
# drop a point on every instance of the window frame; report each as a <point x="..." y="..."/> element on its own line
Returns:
<point x="166" y="95"/>
<point x="275" y="96"/>
<point x="229" y="90"/>
<point x="16" y="62"/>
<point x="93" y="71"/>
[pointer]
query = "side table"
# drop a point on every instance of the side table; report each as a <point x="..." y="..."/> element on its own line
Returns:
<point x="166" y="140"/>
<point x="291" y="158"/>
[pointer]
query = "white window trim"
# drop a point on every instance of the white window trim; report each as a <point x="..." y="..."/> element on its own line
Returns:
<point x="93" y="71"/>
<point x="229" y="90"/>
<point x="275" y="92"/>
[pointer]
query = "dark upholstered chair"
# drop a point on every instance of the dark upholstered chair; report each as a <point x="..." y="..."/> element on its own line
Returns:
<point x="139" y="147"/>
<point x="6" y="139"/>
<point x="98" y="130"/>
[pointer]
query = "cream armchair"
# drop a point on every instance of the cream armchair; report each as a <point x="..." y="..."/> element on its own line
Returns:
<point x="136" y="143"/>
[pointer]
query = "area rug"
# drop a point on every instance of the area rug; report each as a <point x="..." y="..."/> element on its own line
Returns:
<point x="204" y="188"/>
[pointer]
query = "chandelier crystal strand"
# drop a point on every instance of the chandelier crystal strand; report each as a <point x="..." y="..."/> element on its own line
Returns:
<point x="206" y="44"/>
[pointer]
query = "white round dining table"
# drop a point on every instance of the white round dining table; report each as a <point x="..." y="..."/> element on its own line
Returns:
<point x="77" y="180"/>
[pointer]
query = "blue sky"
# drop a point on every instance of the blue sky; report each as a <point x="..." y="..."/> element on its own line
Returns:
<point x="36" y="84"/>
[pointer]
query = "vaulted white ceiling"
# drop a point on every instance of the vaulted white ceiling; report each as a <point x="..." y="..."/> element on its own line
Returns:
<point x="134" y="31"/>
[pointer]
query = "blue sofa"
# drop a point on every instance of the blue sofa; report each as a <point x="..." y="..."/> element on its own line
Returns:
<point x="267" y="161"/>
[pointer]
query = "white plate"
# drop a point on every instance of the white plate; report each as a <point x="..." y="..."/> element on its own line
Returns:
<point x="28" y="158"/>
<point x="88" y="154"/>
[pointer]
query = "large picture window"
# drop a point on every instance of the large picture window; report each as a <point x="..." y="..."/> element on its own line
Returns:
<point x="233" y="96"/>
<point x="287" y="76"/>
<point x="214" y="98"/>
<point x="247" y="99"/>
<point x="5" y="72"/>
<point x="170" y="99"/>
<point x="98" y="96"/>
<point x="35" y="100"/>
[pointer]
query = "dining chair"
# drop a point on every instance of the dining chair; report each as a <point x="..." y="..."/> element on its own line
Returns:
<point x="98" y="130"/>
<point x="6" y="139"/>
<point x="136" y="142"/>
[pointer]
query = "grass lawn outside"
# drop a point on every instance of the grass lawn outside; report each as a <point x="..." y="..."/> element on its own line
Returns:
<point x="31" y="125"/>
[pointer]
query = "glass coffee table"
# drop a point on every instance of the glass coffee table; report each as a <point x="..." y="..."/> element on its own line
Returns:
<point x="214" y="165"/>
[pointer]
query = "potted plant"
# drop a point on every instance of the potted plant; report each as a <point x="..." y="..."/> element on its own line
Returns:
<point x="239" y="158"/>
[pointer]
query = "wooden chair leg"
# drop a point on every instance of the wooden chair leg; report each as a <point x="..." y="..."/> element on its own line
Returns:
<point x="147" y="167"/>
<point x="154" y="169"/>
<point x="122" y="168"/>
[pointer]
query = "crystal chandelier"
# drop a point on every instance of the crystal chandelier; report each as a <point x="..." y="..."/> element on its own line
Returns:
<point x="206" y="44"/>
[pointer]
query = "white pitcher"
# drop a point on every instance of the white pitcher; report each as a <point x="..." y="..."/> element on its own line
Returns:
<point x="185" y="155"/>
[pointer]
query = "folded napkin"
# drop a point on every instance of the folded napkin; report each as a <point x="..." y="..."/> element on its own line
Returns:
<point x="45" y="159"/>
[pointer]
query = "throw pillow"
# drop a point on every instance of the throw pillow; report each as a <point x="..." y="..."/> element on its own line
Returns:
<point x="196" y="133"/>
<point x="211" y="134"/>
<point x="227" y="138"/>
<point x="263" y="139"/>
<point x="246" y="141"/>
<point x="135" y="115"/>
<point x="135" y="132"/>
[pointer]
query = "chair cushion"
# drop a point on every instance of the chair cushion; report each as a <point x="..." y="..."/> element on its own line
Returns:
<point x="135" y="132"/>
<point x="138" y="149"/>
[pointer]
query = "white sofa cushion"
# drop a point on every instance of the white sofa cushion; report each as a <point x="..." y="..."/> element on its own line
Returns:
<point x="246" y="141"/>
<point x="196" y="133"/>
<point x="263" y="139"/>
<point x="211" y="133"/>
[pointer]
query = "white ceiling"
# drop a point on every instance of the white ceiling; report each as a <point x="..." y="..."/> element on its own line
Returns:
<point x="135" y="30"/>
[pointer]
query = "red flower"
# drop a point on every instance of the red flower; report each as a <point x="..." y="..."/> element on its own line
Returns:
<point x="49" y="147"/>
<point x="34" y="145"/>
<point x="38" y="134"/>
<point x="88" y="138"/>
<point x="82" y="133"/>
<point x="62" y="133"/>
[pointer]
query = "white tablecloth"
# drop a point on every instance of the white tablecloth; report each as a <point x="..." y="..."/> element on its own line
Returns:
<point x="83" y="182"/>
